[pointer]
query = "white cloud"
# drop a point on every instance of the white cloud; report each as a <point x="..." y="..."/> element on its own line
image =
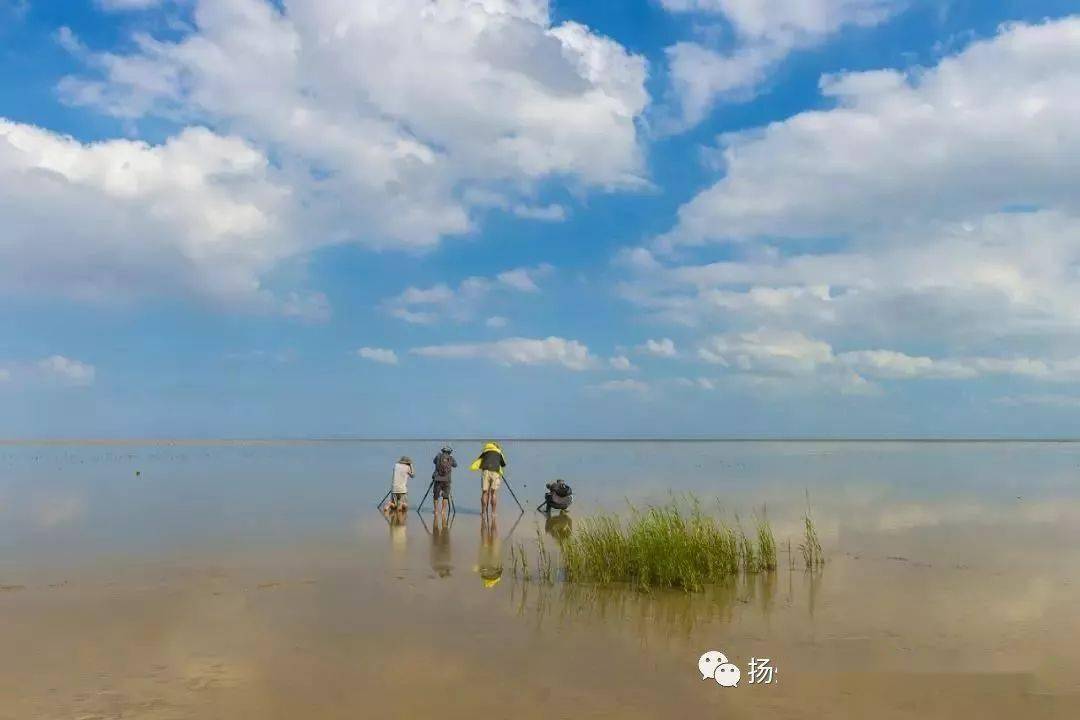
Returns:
<point x="200" y="215"/>
<point x="496" y="321"/>
<point x="384" y="116"/>
<point x="766" y="31"/>
<point x="463" y="304"/>
<point x="771" y="352"/>
<point x="943" y="197"/>
<point x="779" y="351"/>
<point x="897" y="365"/>
<point x="543" y="213"/>
<point x="622" y="363"/>
<point x="523" y="279"/>
<point x="791" y="22"/>
<point x="701" y="77"/>
<point x="66" y="371"/>
<point x="128" y="4"/>
<point x="781" y="360"/>
<point x="625" y="385"/>
<point x="988" y="284"/>
<point x="570" y="354"/>
<point x="379" y="355"/>
<point x="664" y="348"/>
<point x="988" y="128"/>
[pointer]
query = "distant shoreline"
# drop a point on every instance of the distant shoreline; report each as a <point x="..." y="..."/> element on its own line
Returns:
<point x="345" y="440"/>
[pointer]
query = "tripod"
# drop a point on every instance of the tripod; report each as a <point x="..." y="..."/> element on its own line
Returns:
<point x="450" y="496"/>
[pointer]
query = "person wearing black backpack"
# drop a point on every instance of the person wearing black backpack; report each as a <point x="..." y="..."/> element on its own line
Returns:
<point x="444" y="466"/>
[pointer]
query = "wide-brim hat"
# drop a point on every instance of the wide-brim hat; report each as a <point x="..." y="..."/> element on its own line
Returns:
<point x="406" y="460"/>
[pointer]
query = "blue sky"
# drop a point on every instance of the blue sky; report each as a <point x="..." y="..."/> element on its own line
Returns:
<point x="249" y="218"/>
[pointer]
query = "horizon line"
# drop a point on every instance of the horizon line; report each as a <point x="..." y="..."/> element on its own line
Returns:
<point x="542" y="439"/>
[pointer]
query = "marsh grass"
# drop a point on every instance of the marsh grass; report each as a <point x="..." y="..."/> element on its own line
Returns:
<point x="813" y="556"/>
<point x="545" y="566"/>
<point x="674" y="546"/>
<point x="519" y="561"/>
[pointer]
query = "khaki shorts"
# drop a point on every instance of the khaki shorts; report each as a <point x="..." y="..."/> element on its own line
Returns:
<point x="490" y="480"/>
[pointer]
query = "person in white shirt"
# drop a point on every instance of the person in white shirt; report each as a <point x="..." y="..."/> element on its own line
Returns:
<point x="399" y="487"/>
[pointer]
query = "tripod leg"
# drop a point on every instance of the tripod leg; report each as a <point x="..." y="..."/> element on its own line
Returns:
<point x="430" y="485"/>
<point x="379" y="506"/>
<point x="513" y="494"/>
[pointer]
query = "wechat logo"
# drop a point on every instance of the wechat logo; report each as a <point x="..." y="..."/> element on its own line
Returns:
<point x="714" y="665"/>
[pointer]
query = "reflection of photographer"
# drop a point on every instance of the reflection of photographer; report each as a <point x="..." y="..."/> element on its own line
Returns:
<point x="559" y="495"/>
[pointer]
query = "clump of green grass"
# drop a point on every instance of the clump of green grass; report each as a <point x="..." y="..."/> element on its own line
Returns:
<point x="813" y="556"/>
<point x="667" y="546"/>
<point x="766" y="544"/>
<point x="545" y="567"/>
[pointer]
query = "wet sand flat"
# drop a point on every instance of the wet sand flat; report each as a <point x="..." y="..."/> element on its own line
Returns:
<point x="259" y="581"/>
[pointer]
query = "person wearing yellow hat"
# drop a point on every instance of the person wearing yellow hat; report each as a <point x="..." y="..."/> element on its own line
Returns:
<point x="490" y="463"/>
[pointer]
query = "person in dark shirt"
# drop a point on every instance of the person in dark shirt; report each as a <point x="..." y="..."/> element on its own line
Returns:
<point x="490" y="464"/>
<point x="559" y="495"/>
<point x="444" y="466"/>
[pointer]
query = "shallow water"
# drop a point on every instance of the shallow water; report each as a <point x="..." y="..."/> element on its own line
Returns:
<point x="257" y="580"/>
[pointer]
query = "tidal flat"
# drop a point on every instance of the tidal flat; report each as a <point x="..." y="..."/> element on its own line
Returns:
<point x="234" y="579"/>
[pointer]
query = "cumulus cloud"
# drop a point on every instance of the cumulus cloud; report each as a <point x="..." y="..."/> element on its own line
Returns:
<point x="766" y="31"/>
<point x="986" y="129"/>
<point x="897" y="365"/>
<point x="771" y="352"/>
<point x="379" y="355"/>
<point x="1003" y="278"/>
<point x="463" y="304"/>
<point x="128" y="4"/>
<point x="66" y="371"/>
<point x="570" y="354"/>
<point x="779" y="359"/>
<point x="626" y="385"/>
<point x="383" y="119"/>
<point x="544" y="213"/>
<point x="496" y="321"/>
<point x="943" y="194"/>
<point x="200" y="215"/>
<point x="664" y="348"/>
<point x="780" y="351"/>
<point x="621" y="362"/>
<point x="789" y="21"/>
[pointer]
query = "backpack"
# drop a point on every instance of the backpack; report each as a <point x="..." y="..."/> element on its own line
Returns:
<point x="444" y="464"/>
